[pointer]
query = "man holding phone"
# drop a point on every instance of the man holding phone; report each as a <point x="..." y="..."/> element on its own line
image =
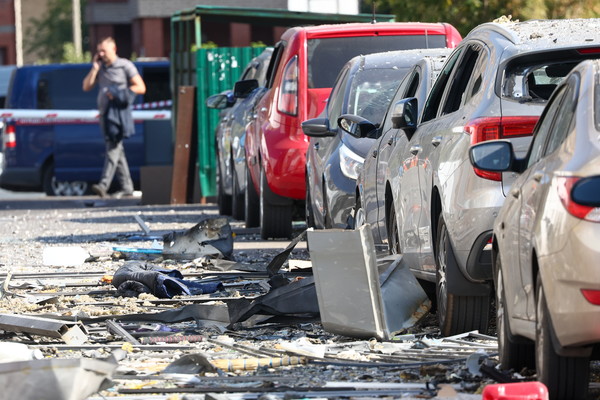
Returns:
<point x="118" y="82"/>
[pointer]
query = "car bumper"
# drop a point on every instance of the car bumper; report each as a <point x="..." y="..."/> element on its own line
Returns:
<point x="564" y="273"/>
<point x="21" y="179"/>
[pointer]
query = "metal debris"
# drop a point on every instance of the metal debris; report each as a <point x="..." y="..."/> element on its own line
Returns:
<point x="211" y="236"/>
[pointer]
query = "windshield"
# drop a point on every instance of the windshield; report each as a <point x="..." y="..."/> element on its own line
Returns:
<point x="326" y="57"/>
<point x="535" y="82"/>
<point x="372" y="90"/>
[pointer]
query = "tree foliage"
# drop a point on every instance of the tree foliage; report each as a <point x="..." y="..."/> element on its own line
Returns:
<point x="50" y="34"/>
<point x="466" y="14"/>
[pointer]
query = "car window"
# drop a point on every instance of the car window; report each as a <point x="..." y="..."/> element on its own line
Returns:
<point x="597" y="103"/>
<point x="158" y="87"/>
<point x="408" y="88"/>
<point x="543" y="128"/>
<point x="372" y="90"/>
<point x="564" y="121"/>
<point x="435" y="95"/>
<point x="460" y="79"/>
<point x="61" y="89"/>
<point x="336" y="98"/>
<point x="274" y="63"/>
<point x="327" y="56"/>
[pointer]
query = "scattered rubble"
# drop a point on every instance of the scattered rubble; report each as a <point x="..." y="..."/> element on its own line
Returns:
<point x="261" y="335"/>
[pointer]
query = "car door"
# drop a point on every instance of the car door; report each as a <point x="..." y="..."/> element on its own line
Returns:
<point x="411" y="202"/>
<point x="552" y="131"/>
<point x="387" y="143"/>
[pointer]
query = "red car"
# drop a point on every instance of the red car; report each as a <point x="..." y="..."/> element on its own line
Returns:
<point x="301" y="73"/>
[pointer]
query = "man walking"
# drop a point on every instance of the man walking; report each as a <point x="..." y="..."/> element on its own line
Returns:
<point x="118" y="82"/>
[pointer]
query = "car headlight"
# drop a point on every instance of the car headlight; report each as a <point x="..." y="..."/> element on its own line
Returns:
<point x="350" y="162"/>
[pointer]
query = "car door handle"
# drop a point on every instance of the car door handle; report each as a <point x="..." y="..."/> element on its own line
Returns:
<point x="391" y="141"/>
<point x="374" y="154"/>
<point x="436" y="141"/>
<point x="537" y="176"/>
<point x="316" y="146"/>
<point x="415" y="149"/>
<point x="515" y="193"/>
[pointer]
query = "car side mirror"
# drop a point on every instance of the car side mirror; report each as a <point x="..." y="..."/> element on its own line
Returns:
<point x="405" y="114"/>
<point x="242" y="89"/>
<point x="220" y="101"/>
<point x="356" y="126"/>
<point x="492" y="156"/>
<point x="317" y="127"/>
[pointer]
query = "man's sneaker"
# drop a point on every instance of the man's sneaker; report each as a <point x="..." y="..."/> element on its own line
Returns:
<point x="122" y="193"/>
<point x="99" y="190"/>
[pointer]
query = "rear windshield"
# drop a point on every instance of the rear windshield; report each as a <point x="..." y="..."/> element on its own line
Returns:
<point x="372" y="90"/>
<point x="326" y="57"/>
<point x="535" y="82"/>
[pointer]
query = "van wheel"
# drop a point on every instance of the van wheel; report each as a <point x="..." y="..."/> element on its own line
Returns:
<point x="275" y="220"/>
<point x="53" y="187"/>
<point x="237" y="199"/>
<point x="456" y="314"/>
<point x="565" y="377"/>
<point x="514" y="352"/>
<point x="251" y="203"/>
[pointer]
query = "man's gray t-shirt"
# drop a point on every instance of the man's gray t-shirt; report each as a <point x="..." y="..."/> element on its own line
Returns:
<point x="117" y="74"/>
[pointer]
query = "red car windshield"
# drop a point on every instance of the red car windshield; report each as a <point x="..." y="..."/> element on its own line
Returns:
<point x="326" y="57"/>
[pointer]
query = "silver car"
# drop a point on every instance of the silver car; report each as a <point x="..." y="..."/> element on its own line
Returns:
<point x="546" y="236"/>
<point x="494" y="85"/>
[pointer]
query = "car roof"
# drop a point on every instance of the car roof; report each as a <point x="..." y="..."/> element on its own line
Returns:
<point x="382" y="28"/>
<point x="552" y="33"/>
<point x="397" y="57"/>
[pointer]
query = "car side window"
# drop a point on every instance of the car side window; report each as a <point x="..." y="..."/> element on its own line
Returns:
<point x="457" y="94"/>
<point x="408" y="88"/>
<point x="437" y="91"/>
<point x="564" y="120"/>
<point x="536" y="150"/>
<point x="274" y="63"/>
<point x="336" y="98"/>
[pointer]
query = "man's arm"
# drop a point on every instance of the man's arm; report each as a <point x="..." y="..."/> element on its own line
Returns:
<point x="90" y="79"/>
<point x="137" y="85"/>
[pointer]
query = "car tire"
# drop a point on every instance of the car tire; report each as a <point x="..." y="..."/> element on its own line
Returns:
<point x="392" y="232"/>
<point x="327" y="221"/>
<point x="359" y="214"/>
<point x="223" y="199"/>
<point x="566" y="377"/>
<point x="275" y="220"/>
<point x="514" y="353"/>
<point x="456" y="313"/>
<point x="237" y="199"/>
<point x="308" y="213"/>
<point x="251" y="203"/>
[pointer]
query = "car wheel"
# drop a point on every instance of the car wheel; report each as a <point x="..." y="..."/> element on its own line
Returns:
<point x="237" y="200"/>
<point x="392" y="232"/>
<point x="251" y="203"/>
<point x="223" y="199"/>
<point x="54" y="187"/>
<point x="565" y="377"/>
<point x="456" y="314"/>
<point x="275" y="220"/>
<point x="359" y="214"/>
<point x="327" y="221"/>
<point x="514" y="353"/>
<point x="308" y="214"/>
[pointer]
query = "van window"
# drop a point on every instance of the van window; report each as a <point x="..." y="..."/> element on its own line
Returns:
<point x="157" y="84"/>
<point x="60" y="89"/>
<point x="327" y="56"/>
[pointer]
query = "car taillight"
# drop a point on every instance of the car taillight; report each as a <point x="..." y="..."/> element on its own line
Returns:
<point x="10" y="137"/>
<point x="589" y="50"/>
<point x="593" y="296"/>
<point x="578" y="208"/>
<point x="288" y="94"/>
<point x="491" y="128"/>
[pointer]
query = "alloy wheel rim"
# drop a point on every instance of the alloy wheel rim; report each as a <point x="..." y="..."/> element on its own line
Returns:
<point x="442" y="292"/>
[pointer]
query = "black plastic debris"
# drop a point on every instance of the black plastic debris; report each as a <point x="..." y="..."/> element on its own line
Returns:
<point x="210" y="237"/>
<point x="136" y="277"/>
<point x="296" y="298"/>
<point x="195" y="363"/>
